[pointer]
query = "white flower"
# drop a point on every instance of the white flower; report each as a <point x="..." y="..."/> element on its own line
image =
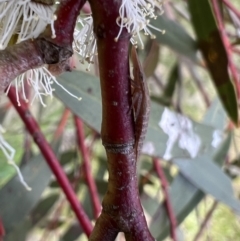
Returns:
<point x="84" y="40"/>
<point x="9" y="153"/>
<point x="134" y="15"/>
<point x="218" y="136"/>
<point x="25" y="18"/>
<point x="179" y="127"/>
<point x="28" y="19"/>
<point x="41" y="81"/>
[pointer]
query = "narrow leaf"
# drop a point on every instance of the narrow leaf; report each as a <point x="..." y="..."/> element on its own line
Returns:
<point x="184" y="197"/>
<point x="90" y="110"/>
<point x="175" y="37"/>
<point x="215" y="55"/>
<point x="15" y="201"/>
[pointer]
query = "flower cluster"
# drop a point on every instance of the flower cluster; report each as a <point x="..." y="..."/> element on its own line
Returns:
<point x="24" y="19"/>
<point x="179" y="129"/>
<point x="21" y="20"/>
<point x="41" y="81"/>
<point x="135" y="15"/>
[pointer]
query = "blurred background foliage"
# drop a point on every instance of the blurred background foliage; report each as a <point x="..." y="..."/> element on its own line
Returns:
<point x="187" y="71"/>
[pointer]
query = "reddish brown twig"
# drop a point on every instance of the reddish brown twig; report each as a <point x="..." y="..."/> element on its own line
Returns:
<point x="62" y="123"/>
<point x="47" y="152"/>
<point x="121" y="206"/>
<point x="205" y="221"/>
<point x="231" y="7"/>
<point x="227" y="46"/>
<point x="87" y="167"/>
<point x="2" y="230"/>
<point x="164" y="183"/>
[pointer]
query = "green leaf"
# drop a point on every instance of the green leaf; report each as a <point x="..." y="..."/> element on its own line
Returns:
<point x="151" y="61"/>
<point x="216" y="116"/>
<point x="184" y="197"/>
<point x="171" y="84"/>
<point x="87" y="87"/>
<point x="90" y="110"/>
<point x="175" y="37"/>
<point x="43" y="207"/>
<point x="215" y="55"/>
<point x="15" y="201"/>
<point x="68" y="157"/>
<point x="20" y="233"/>
<point x="72" y="233"/>
<point x="209" y="178"/>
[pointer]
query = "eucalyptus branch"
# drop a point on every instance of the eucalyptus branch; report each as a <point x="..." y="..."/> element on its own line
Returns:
<point x="46" y="49"/>
<point x="47" y="152"/>
<point x="122" y="210"/>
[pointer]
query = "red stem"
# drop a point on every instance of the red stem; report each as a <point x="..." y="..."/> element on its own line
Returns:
<point x="62" y="124"/>
<point x="231" y="7"/>
<point x="205" y="221"/>
<point x="87" y="167"/>
<point x="51" y="159"/>
<point x="64" y="26"/>
<point x="164" y="183"/>
<point x="227" y="46"/>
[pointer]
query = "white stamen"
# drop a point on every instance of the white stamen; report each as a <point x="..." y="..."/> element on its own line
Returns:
<point x="9" y="153"/>
<point x="134" y="15"/>
<point x="25" y="18"/>
<point x="41" y="81"/>
<point x="84" y="40"/>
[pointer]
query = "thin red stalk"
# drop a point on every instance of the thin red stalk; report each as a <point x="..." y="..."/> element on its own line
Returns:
<point x="2" y="230"/>
<point x="51" y="159"/>
<point x="62" y="124"/>
<point x="232" y="7"/>
<point x="205" y="221"/>
<point x="164" y="183"/>
<point x="87" y="167"/>
<point x="227" y="46"/>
